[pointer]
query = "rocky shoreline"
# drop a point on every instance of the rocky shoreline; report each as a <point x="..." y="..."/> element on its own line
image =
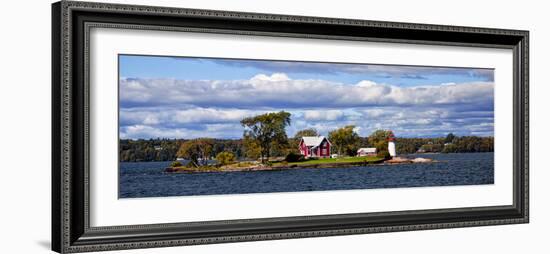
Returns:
<point x="401" y="160"/>
<point x="259" y="167"/>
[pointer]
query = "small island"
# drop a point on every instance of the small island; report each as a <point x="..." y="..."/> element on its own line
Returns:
<point x="277" y="165"/>
<point x="284" y="165"/>
<point x="265" y="134"/>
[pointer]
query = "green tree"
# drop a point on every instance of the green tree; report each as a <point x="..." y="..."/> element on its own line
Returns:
<point x="251" y="147"/>
<point x="345" y="140"/>
<point x="196" y="150"/>
<point x="379" y="139"/>
<point x="310" y="132"/>
<point x="225" y="158"/>
<point x="268" y="130"/>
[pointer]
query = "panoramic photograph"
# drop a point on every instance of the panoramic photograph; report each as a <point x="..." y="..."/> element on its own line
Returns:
<point x="210" y="126"/>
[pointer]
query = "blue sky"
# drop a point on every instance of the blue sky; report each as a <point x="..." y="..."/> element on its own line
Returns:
<point x="162" y="67"/>
<point x="179" y="97"/>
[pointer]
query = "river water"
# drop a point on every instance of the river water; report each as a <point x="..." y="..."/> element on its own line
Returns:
<point x="147" y="179"/>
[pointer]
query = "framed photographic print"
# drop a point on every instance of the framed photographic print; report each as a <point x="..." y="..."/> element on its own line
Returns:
<point x="181" y="126"/>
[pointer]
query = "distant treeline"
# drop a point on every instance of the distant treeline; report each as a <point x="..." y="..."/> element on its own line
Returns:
<point x="449" y="144"/>
<point x="167" y="149"/>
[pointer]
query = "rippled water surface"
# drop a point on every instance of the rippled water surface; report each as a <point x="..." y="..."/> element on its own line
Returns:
<point x="147" y="179"/>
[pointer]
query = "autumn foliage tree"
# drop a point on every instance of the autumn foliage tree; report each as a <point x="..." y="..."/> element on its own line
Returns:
<point x="225" y="158"/>
<point x="196" y="151"/>
<point x="251" y="147"/>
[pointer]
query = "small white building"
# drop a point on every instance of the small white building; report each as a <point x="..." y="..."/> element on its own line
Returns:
<point x="366" y="151"/>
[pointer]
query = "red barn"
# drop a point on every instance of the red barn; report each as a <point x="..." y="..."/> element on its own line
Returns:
<point x="315" y="147"/>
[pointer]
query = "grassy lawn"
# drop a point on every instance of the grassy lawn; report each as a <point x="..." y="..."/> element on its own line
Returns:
<point x="331" y="160"/>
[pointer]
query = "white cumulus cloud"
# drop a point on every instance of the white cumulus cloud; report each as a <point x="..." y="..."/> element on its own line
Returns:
<point x="279" y="91"/>
<point x="173" y="108"/>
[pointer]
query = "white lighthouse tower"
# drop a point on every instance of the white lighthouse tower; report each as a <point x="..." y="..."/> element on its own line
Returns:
<point x="391" y="144"/>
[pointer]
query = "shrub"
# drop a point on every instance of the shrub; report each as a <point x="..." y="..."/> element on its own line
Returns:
<point x="225" y="158"/>
<point x="176" y="164"/>
<point x="384" y="154"/>
<point x="294" y="157"/>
